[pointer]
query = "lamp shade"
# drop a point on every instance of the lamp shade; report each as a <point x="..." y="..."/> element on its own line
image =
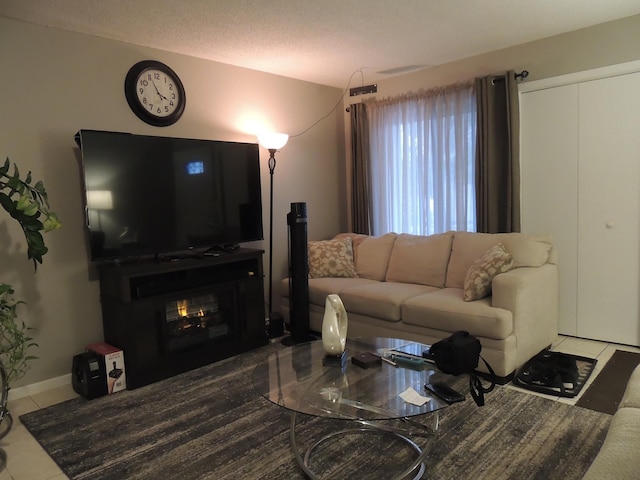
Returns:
<point x="272" y="140"/>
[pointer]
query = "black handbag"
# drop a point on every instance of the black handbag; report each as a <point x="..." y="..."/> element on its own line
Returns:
<point x="459" y="354"/>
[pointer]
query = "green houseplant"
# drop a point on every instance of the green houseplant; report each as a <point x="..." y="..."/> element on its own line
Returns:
<point x="27" y="203"/>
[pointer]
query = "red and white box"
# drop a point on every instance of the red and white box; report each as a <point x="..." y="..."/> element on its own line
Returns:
<point x="114" y="365"/>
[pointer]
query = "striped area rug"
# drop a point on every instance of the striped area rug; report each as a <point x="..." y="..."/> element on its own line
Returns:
<point x="210" y="424"/>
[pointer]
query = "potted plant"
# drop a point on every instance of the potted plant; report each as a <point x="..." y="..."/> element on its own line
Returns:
<point x="28" y="204"/>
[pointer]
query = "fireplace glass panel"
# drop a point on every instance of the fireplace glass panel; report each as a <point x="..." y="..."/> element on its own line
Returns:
<point x="199" y="319"/>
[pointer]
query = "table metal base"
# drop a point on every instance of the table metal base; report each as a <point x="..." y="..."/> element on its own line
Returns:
<point x="408" y="428"/>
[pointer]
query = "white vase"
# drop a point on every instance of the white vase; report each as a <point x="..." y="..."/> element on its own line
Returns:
<point x="334" y="326"/>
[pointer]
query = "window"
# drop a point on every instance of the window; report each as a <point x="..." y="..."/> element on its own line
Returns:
<point x="423" y="162"/>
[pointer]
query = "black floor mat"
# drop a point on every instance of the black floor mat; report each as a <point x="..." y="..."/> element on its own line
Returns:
<point x="605" y="392"/>
<point x="555" y="373"/>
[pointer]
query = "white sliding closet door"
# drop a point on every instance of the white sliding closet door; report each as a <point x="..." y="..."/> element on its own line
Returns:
<point x="549" y="187"/>
<point x="580" y="172"/>
<point x="609" y="210"/>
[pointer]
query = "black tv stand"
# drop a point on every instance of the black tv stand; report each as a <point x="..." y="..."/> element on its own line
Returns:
<point x="227" y="247"/>
<point x="215" y="251"/>
<point x="142" y="311"/>
<point x="176" y="257"/>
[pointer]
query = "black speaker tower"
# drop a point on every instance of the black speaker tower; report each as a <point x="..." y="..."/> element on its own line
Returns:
<point x="298" y="275"/>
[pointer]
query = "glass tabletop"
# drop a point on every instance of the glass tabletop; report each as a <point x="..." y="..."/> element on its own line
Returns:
<point x="296" y="378"/>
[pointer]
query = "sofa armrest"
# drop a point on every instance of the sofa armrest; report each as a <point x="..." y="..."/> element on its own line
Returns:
<point x="631" y="397"/>
<point x="618" y="457"/>
<point x="531" y="295"/>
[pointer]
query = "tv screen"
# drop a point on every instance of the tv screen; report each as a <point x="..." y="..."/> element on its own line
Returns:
<point x="148" y="195"/>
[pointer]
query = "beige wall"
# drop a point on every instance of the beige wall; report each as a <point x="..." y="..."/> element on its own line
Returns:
<point x="597" y="46"/>
<point x="54" y="83"/>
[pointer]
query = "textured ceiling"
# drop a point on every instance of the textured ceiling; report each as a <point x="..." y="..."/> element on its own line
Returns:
<point x="323" y="41"/>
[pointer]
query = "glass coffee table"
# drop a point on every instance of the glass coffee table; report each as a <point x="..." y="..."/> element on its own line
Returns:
<point x="359" y="402"/>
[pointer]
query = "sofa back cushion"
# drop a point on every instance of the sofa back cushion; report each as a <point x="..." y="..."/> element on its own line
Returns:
<point x="371" y="254"/>
<point x="420" y="259"/>
<point x="527" y="250"/>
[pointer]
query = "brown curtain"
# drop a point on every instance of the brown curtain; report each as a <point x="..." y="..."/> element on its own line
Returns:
<point x="498" y="155"/>
<point x="361" y="180"/>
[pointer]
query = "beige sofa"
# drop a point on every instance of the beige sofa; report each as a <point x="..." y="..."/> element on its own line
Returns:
<point x="618" y="458"/>
<point x="413" y="287"/>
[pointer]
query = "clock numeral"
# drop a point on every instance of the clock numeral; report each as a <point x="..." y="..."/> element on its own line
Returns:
<point x="151" y="106"/>
<point x="144" y="83"/>
<point x="171" y="86"/>
<point x="173" y="95"/>
<point x="141" y="90"/>
<point x="171" y="103"/>
<point x="158" y="110"/>
<point x="144" y="99"/>
<point x="166" y="109"/>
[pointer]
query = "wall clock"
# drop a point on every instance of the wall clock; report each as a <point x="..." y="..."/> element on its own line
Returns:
<point x="155" y="93"/>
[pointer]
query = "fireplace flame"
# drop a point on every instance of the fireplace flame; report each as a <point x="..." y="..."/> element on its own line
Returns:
<point x="182" y="308"/>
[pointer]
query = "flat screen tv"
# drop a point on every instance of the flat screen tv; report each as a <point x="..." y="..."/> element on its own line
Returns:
<point x="147" y="195"/>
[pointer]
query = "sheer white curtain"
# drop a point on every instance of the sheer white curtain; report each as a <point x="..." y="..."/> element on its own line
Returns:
<point x="423" y="161"/>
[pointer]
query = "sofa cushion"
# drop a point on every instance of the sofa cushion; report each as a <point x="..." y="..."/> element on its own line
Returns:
<point x="420" y="259"/>
<point x="446" y="310"/>
<point x="373" y="256"/>
<point x="477" y="281"/>
<point x="381" y="299"/>
<point x="331" y="258"/>
<point x="319" y="288"/>
<point x="527" y="250"/>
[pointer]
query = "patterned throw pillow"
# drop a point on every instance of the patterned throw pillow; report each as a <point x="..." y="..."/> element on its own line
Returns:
<point x="331" y="258"/>
<point x="477" y="281"/>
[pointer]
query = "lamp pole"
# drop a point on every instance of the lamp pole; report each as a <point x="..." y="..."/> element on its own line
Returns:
<point x="272" y="167"/>
<point x="272" y="142"/>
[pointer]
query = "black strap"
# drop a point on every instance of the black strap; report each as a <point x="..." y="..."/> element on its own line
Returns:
<point x="475" y="384"/>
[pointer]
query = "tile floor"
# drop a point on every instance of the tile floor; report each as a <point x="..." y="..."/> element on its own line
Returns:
<point x="585" y="348"/>
<point x="28" y="461"/>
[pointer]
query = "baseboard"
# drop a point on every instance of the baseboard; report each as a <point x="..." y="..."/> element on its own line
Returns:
<point x="39" y="387"/>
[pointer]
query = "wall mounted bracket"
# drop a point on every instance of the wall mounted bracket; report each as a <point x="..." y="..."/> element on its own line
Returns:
<point x="363" y="90"/>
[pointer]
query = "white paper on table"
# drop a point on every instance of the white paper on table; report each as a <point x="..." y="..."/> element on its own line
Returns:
<point x="413" y="397"/>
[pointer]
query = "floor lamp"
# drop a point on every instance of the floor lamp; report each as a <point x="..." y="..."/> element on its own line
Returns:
<point x="272" y="142"/>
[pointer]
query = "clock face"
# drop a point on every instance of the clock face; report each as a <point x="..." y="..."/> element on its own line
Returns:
<point x="155" y="93"/>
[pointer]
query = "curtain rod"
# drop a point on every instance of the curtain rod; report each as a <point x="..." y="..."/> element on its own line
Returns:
<point x="522" y="75"/>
